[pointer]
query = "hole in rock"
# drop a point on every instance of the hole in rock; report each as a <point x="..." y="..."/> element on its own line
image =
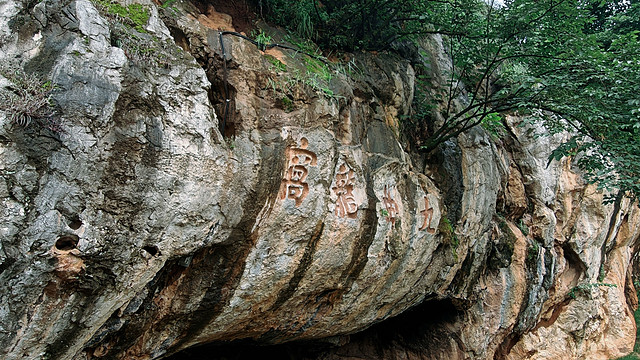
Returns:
<point x="218" y="94"/>
<point x="151" y="249"/>
<point x="67" y="242"/>
<point x="180" y="38"/>
<point x="75" y="223"/>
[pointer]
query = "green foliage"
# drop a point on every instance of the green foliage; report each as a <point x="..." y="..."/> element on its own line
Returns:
<point x="316" y="81"/>
<point x="604" y="113"/>
<point x="317" y="67"/>
<point x="585" y="288"/>
<point x="277" y="64"/>
<point x="141" y="48"/>
<point x="350" y="24"/>
<point x="633" y="356"/>
<point x="636" y="317"/>
<point x="312" y="80"/>
<point x="601" y="273"/>
<point x="287" y="104"/>
<point x="349" y="69"/>
<point x="448" y="233"/>
<point x="548" y="59"/>
<point x="532" y="251"/>
<point x="168" y="7"/>
<point x="571" y="64"/>
<point x="127" y="32"/>
<point x="304" y="45"/>
<point x="135" y="15"/>
<point x="523" y="227"/>
<point x="262" y="38"/>
<point x="295" y="15"/>
<point x="492" y="123"/>
<point x="167" y="4"/>
<point x="27" y="100"/>
<point x="231" y="143"/>
<point x="305" y="71"/>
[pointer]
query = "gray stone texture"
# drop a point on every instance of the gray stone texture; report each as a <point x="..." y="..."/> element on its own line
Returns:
<point x="141" y="230"/>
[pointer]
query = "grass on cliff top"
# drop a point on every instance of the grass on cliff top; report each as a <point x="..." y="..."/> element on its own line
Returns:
<point x="136" y="14"/>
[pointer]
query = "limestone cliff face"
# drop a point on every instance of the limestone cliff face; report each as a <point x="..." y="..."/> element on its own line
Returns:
<point x="298" y="212"/>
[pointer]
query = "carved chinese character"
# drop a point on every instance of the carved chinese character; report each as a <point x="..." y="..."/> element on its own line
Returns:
<point x="428" y="215"/>
<point x="346" y="205"/>
<point x="293" y="185"/>
<point x="391" y="207"/>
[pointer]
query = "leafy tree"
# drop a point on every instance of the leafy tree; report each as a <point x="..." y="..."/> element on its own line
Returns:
<point x="602" y="87"/>
<point x="572" y="63"/>
<point x="567" y="64"/>
<point x="348" y="24"/>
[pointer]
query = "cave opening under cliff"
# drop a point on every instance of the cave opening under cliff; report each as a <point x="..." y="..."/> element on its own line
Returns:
<point x="424" y="329"/>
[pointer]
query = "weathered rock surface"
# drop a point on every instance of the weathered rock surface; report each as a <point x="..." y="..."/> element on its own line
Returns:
<point x="142" y="230"/>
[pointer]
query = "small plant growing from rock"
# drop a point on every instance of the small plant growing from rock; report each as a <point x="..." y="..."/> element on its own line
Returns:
<point x="287" y="104"/>
<point x="523" y="227"/>
<point x="262" y="39"/>
<point x="27" y="99"/>
<point x="127" y="24"/>
<point x="584" y="288"/>
<point x="276" y="64"/>
<point x="449" y="236"/>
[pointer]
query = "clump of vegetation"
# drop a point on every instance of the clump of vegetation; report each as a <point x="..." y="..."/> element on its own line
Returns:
<point x="448" y="232"/>
<point x="523" y="227"/>
<point x="303" y="44"/>
<point x="128" y="32"/>
<point x="262" y="38"/>
<point x="27" y="100"/>
<point x="532" y="251"/>
<point x="135" y="15"/>
<point x="276" y="64"/>
<point x="346" y="24"/>
<point x="317" y="81"/>
<point x="317" y="68"/>
<point x="584" y="288"/>
<point x="287" y="104"/>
